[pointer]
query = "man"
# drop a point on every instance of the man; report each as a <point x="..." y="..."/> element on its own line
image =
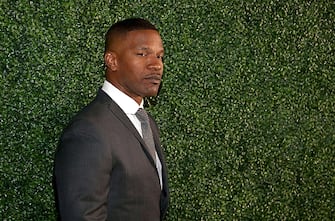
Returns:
<point x="104" y="169"/>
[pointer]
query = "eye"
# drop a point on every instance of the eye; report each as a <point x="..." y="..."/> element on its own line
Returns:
<point x="141" y="54"/>
<point x="161" y="57"/>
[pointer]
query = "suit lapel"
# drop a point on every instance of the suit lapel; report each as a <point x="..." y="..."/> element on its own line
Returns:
<point x="118" y="112"/>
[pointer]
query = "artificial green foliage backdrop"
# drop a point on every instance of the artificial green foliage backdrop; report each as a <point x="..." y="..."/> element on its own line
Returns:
<point x="247" y="109"/>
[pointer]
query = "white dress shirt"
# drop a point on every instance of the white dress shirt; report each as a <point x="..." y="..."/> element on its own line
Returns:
<point x="130" y="107"/>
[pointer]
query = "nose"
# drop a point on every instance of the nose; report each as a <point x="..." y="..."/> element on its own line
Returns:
<point x="155" y="63"/>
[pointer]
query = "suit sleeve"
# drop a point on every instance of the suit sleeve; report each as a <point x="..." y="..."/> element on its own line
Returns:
<point x="82" y="173"/>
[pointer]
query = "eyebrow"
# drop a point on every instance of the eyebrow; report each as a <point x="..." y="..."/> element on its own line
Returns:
<point x="143" y="48"/>
<point x="148" y="49"/>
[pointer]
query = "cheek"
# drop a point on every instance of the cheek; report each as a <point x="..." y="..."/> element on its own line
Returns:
<point x="132" y="67"/>
<point x="137" y="64"/>
<point x="137" y="69"/>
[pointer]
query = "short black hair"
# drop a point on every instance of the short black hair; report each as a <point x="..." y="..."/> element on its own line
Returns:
<point x="127" y="25"/>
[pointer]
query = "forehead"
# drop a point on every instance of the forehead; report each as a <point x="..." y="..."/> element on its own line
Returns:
<point x="149" y="38"/>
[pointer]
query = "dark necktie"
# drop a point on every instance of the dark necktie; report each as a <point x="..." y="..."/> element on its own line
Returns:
<point x="142" y="116"/>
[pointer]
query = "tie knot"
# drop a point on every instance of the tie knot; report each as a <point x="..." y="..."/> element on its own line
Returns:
<point x="142" y="115"/>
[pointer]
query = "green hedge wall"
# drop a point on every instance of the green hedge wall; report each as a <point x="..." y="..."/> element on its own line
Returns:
<point x="246" y="111"/>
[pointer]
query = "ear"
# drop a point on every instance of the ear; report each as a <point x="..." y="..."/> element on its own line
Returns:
<point x="110" y="61"/>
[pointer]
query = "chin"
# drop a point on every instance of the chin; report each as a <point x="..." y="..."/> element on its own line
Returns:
<point x="152" y="93"/>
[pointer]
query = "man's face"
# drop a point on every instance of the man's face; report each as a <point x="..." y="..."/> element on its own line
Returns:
<point x="139" y="64"/>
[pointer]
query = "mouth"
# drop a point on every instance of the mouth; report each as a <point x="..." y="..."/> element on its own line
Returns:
<point x="154" y="79"/>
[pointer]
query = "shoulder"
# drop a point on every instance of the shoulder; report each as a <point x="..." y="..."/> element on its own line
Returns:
<point x="96" y="109"/>
<point x="88" y="119"/>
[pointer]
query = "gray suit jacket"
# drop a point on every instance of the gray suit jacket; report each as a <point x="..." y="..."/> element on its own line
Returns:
<point x="103" y="170"/>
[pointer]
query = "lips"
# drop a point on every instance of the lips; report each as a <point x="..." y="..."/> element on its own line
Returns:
<point x="154" y="79"/>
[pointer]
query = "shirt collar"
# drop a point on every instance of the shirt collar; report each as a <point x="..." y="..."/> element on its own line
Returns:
<point x="126" y="103"/>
